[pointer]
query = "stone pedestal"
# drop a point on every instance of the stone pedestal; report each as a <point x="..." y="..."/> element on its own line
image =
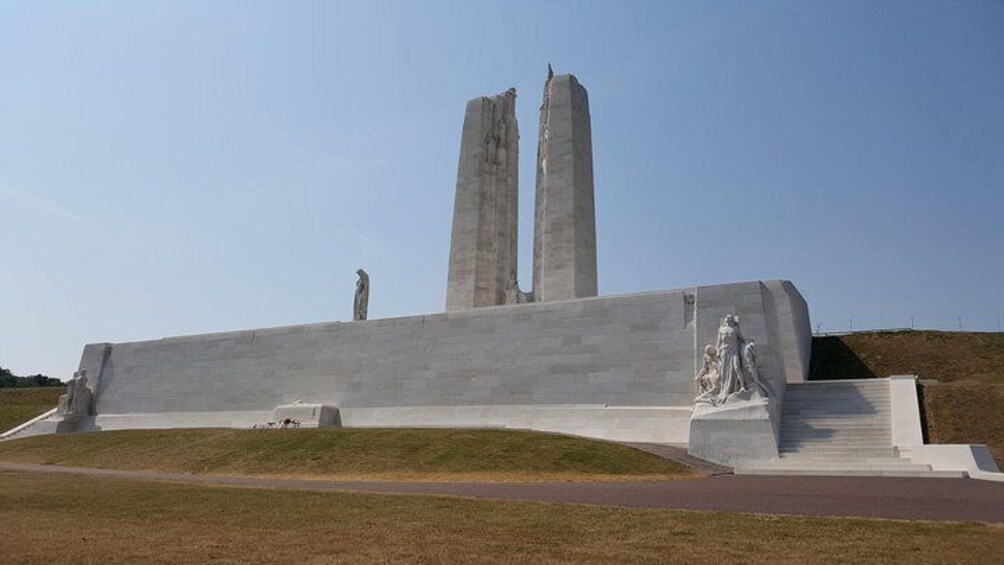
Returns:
<point x="59" y="424"/>
<point x="734" y="431"/>
<point x="309" y="415"/>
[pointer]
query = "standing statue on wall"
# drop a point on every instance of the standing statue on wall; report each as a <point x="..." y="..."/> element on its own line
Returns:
<point x="360" y="307"/>
<point x="77" y="400"/>
<point x="730" y="372"/>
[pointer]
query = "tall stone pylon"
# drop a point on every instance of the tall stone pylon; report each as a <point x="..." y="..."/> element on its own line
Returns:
<point x="483" y="241"/>
<point x="564" y="239"/>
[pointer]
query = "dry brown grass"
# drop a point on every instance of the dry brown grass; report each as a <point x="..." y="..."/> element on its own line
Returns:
<point x="64" y="518"/>
<point x="966" y="413"/>
<point x="946" y="356"/>
<point x="351" y="454"/>
<point x="18" y="405"/>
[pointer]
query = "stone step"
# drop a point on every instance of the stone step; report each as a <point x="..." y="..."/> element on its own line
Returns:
<point x="835" y="422"/>
<point x="836" y="409"/>
<point x="858" y="427"/>
<point x="814" y="463"/>
<point x="856" y="394"/>
<point x="795" y="443"/>
<point x="820" y="415"/>
<point x="833" y="429"/>
<point x="874" y="451"/>
<point x="839" y="442"/>
<point x="790" y="460"/>
<point x="838" y="397"/>
<point x="796" y="400"/>
<point x="835" y="440"/>
<point x="831" y="393"/>
<point x="829" y="445"/>
<point x="845" y="384"/>
<point x="833" y="433"/>
<point x="816" y="402"/>
<point x="813" y="398"/>
<point x="852" y="472"/>
<point x="849" y="451"/>
<point x="829" y="433"/>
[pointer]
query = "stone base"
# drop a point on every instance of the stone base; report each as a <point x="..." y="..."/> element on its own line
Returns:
<point x="738" y="430"/>
<point x="308" y="415"/>
<point x="655" y="424"/>
<point x="59" y="424"/>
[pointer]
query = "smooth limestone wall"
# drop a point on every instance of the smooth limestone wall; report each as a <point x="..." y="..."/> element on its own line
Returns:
<point x="619" y="367"/>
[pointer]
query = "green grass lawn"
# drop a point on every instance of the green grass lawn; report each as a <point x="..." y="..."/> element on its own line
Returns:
<point x="360" y="453"/>
<point x="18" y="405"/>
<point x="967" y="406"/>
<point x="78" y="519"/>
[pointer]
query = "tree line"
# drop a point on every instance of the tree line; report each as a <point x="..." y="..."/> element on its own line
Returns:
<point x="10" y="380"/>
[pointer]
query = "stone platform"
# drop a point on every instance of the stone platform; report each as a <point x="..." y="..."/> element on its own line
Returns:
<point x="619" y="367"/>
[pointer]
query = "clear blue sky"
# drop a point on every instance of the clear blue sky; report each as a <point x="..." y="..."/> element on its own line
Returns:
<point x="184" y="167"/>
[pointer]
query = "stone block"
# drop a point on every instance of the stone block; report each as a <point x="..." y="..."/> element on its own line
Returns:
<point x="308" y="415"/>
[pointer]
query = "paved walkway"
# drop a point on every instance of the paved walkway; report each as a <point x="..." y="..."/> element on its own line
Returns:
<point x="871" y="497"/>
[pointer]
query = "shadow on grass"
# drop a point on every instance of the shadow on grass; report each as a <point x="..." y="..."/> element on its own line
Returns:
<point x="924" y="423"/>
<point x="833" y="359"/>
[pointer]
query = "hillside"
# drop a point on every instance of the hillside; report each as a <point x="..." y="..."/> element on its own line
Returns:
<point x="949" y="357"/>
<point x="967" y="403"/>
<point x="371" y="454"/>
<point x="18" y="405"/>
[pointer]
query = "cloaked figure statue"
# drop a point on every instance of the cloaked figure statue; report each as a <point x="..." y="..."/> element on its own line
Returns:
<point x="360" y="307"/>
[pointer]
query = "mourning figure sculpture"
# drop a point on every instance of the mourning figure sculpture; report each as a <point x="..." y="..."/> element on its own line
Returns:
<point x="360" y="307"/>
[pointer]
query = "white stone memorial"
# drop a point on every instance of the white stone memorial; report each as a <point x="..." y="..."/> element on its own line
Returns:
<point x="708" y="367"/>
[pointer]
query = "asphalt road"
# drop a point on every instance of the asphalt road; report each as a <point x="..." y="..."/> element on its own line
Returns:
<point x="870" y="497"/>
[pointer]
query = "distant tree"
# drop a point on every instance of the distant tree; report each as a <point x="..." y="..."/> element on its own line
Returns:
<point x="10" y="380"/>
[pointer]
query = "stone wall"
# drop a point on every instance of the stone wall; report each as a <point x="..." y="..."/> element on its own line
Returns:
<point x="619" y="367"/>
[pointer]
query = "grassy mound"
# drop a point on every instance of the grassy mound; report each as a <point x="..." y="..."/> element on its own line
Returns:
<point x="946" y="356"/>
<point x="359" y="453"/>
<point x="18" y="405"/>
<point x="967" y="406"/>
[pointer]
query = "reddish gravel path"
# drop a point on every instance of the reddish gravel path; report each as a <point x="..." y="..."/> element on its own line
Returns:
<point x="922" y="499"/>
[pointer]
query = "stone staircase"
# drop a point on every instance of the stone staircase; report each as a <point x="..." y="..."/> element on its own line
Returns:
<point x="31" y="427"/>
<point x="838" y="428"/>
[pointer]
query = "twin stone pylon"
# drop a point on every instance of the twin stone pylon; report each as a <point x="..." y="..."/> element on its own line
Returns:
<point x="483" y="255"/>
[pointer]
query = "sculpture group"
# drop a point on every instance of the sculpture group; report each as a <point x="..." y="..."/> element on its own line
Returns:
<point x="78" y="398"/>
<point x="729" y="372"/>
